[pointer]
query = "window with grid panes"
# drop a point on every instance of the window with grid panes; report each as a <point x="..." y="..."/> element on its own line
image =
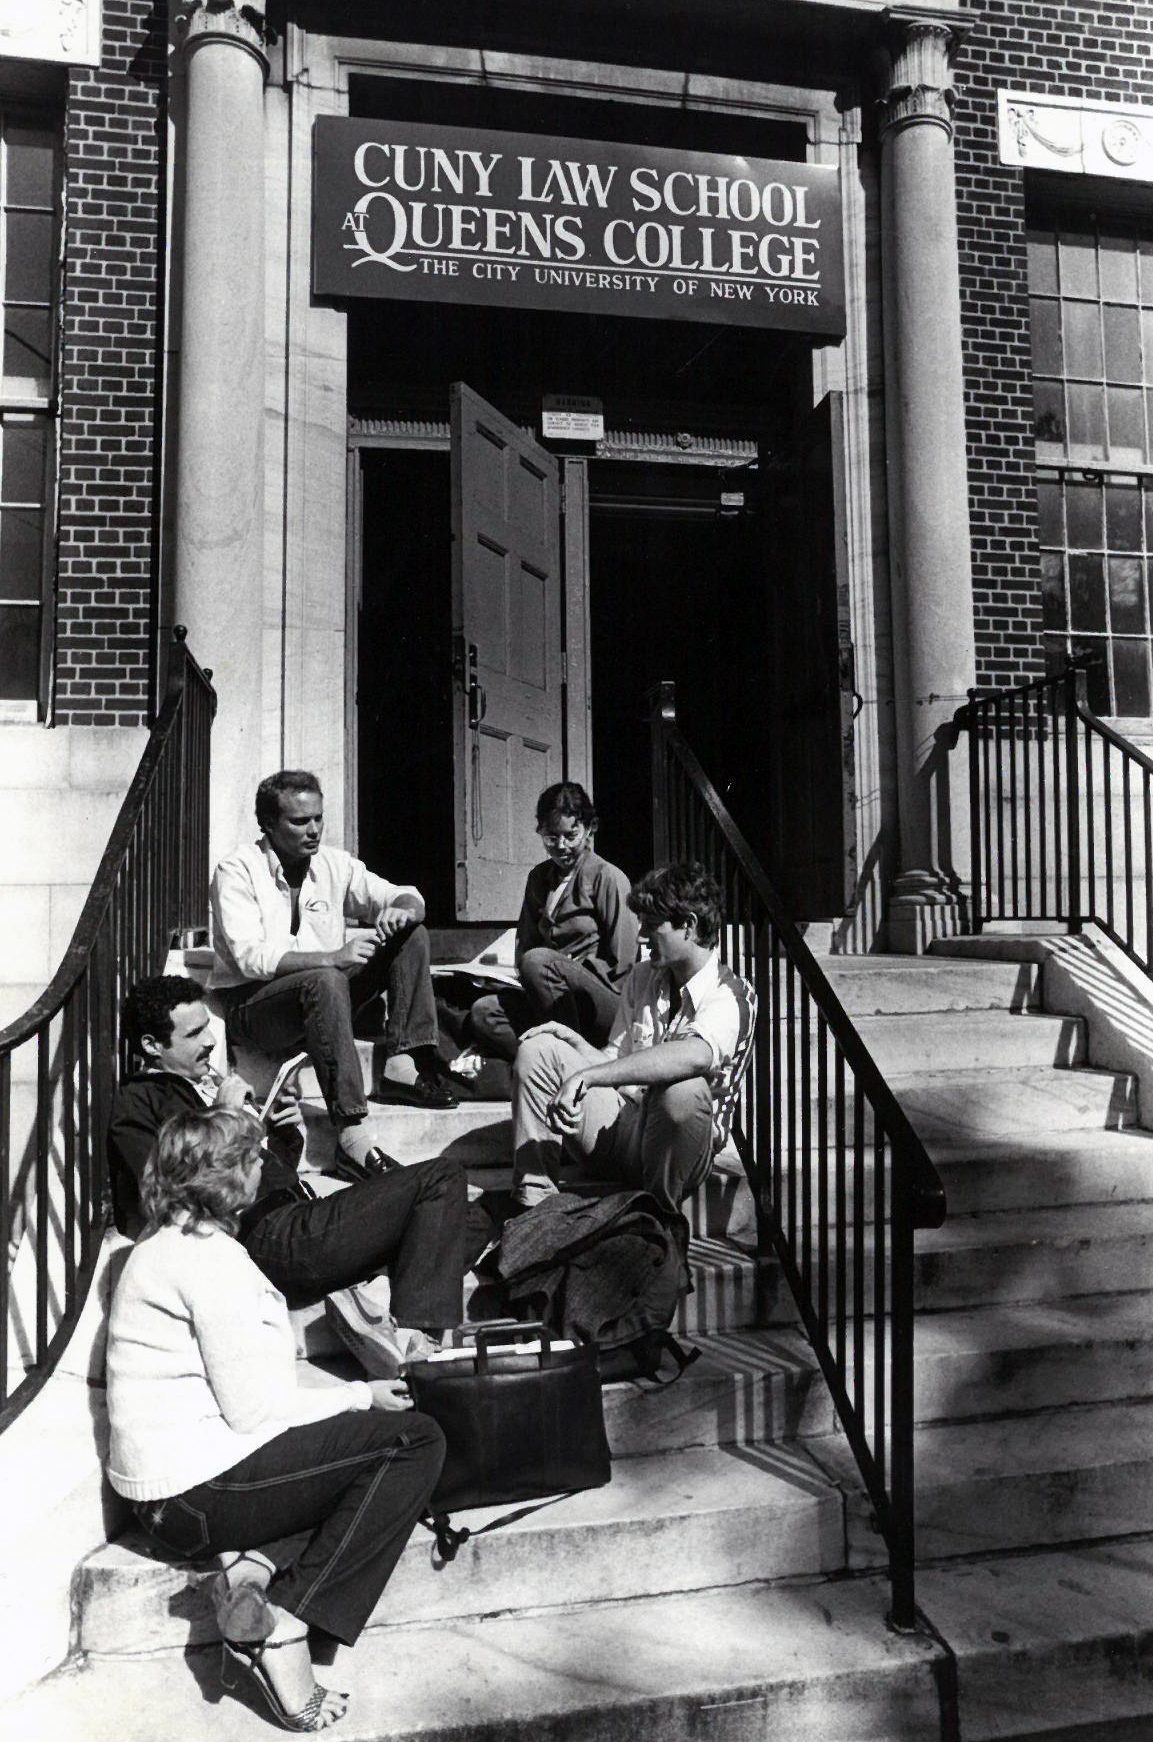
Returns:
<point x="29" y="246"/>
<point x="1091" y="311"/>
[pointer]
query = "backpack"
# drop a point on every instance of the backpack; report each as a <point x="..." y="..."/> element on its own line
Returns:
<point x="609" y="1270"/>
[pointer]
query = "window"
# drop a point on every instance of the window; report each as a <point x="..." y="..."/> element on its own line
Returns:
<point x="1091" y="315"/>
<point x="29" y="243"/>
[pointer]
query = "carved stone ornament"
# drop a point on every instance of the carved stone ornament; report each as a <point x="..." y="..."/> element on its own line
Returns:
<point x="244" y="24"/>
<point x="64" y="31"/>
<point x="920" y="79"/>
<point x="1075" y="136"/>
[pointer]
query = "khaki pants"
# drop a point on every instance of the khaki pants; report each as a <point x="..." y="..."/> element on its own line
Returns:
<point x="661" y="1143"/>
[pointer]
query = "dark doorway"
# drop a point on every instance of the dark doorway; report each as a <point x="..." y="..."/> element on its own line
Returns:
<point x="404" y="679"/>
<point x="678" y="590"/>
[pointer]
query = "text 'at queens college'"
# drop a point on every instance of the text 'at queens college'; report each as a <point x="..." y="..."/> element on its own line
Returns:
<point x="417" y="212"/>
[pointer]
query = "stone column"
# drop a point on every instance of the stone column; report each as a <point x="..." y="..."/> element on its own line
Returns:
<point x="932" y="595"/>
<point x="220" y="414"/>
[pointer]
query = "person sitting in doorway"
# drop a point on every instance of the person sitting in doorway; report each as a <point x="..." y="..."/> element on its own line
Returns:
<point x="287" y="977"/>
<point x="220" y="1452"/>
<point x="576" y="938"/>
<point x="653" y="1106"/>
<point x="411" y="1221"/>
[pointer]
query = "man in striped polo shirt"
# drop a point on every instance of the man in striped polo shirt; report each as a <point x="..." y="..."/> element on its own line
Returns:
<point x="654" y="1106"/>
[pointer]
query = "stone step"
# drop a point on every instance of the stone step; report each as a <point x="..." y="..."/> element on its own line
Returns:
<point x="1025" y="1644"/>
<point x="960" y="1040"/>
<point x="478" y="1133"/>
<point x="956" y="1107"/>
<point x="1029" y="1255"/>
<point x="1017" y="1255"/>
<point x="1046" y="1169"/>
<point x="972" y="1040"/>
<point x="904" y="985"/>
<point x="687" y="1521"/>
<point x="806" y="1664"/>
<point x="731" y="1292"/>
<point x="739" y="1392"/>
<point x="963" y="1109"/>
<point x="1001" y="945"/>
<point x="973" y="1363"/>
<point x="1068" y="1475"/>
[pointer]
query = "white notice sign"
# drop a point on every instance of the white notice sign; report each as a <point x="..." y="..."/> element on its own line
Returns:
<point x="572" y="417"/>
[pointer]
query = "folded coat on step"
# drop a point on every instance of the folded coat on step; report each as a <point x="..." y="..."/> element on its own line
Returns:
<point x="602" y="1269"/>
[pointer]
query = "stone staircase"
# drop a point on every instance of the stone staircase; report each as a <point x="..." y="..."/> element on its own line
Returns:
<point x="728" y="1583"/>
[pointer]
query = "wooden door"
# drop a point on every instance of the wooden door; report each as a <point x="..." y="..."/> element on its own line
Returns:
<point x="507" y="624"/>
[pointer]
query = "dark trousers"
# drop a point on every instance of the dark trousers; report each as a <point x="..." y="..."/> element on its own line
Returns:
<point x="314" y="1011"/>
<point x="357" y="1483"/>
<point x="412" y="1220"/>
<point x="553" y="988"/>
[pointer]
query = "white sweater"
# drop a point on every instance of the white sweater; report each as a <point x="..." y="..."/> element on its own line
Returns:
<point x="201" y="1365"/>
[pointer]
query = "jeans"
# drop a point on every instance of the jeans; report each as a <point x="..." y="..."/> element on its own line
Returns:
<point x="357" y="1483"/>
<point x="661" y="1144"/>
<point x="412" y="1220"/>
<point x="554" y="988"/>
<point x="314" y="1010"/>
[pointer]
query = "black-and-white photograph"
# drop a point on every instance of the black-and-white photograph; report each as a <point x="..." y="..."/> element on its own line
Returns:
<point x="576" y="940"/>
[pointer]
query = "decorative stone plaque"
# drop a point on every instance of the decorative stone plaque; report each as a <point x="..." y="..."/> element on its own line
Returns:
<point x="66" y="31"/>
<point x="1075" y="137"/>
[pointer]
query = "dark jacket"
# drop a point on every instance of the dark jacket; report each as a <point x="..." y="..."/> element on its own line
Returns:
<point x="140" y="1109"/>
<point x="592" y="921"/>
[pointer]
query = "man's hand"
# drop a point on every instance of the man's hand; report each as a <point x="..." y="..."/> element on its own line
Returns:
<point x="285" y="1114"/>
<point x="389" y="1394"/>
<point x="589" y="1054"/>
<point x="233" y="1091"/>
<point x="394" y="920"/>
<point x="354" y="954"/>
<point x="564" y="1110"/>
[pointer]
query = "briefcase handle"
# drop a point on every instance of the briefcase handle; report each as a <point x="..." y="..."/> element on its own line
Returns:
<point x="505" y="1332"/>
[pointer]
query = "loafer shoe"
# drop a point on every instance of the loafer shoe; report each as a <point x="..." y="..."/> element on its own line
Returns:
<point x="427" y="1092"/>
<point x="376" y="1161"/>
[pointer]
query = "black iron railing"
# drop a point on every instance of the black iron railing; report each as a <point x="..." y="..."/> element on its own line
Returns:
<point x="1061" y="814"/>
<point x="59" y="1062"/>
<point x="840" y="1178"/>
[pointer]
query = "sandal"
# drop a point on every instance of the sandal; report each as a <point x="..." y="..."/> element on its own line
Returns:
<point x="252" y="1656"/>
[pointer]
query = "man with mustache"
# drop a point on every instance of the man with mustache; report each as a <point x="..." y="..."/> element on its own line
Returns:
<point x="411" y="1220"/>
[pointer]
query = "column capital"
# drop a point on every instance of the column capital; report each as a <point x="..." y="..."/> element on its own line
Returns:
<point x="919" y="76"/>
<point x="244" y="26"/>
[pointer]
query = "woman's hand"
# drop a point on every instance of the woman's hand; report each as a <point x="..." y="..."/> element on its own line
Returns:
<point x="389" y="1394"/>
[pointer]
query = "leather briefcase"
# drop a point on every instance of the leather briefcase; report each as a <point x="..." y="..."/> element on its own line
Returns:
<point x="519" y="1423"/>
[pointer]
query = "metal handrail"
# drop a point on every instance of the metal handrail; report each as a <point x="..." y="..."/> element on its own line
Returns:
<point x="840" y="1179"/>
<point x="1060" y="813"/>
<point x="150" y="887"/>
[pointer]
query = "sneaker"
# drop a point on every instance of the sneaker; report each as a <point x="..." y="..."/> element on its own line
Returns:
<point x="368" y="1330"/>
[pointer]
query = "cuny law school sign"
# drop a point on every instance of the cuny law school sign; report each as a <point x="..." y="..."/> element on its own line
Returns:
<point x="453" y="215"/>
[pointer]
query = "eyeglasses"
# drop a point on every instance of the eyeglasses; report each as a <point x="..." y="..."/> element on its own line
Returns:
<point x="567" y="838"/>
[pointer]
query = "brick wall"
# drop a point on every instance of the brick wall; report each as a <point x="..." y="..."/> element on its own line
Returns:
<point x="1103" y="51"/>
<point x="109" y="373"/>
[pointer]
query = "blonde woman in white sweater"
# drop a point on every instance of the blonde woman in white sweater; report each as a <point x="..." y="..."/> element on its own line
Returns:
<point x="219" y="1451"/>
